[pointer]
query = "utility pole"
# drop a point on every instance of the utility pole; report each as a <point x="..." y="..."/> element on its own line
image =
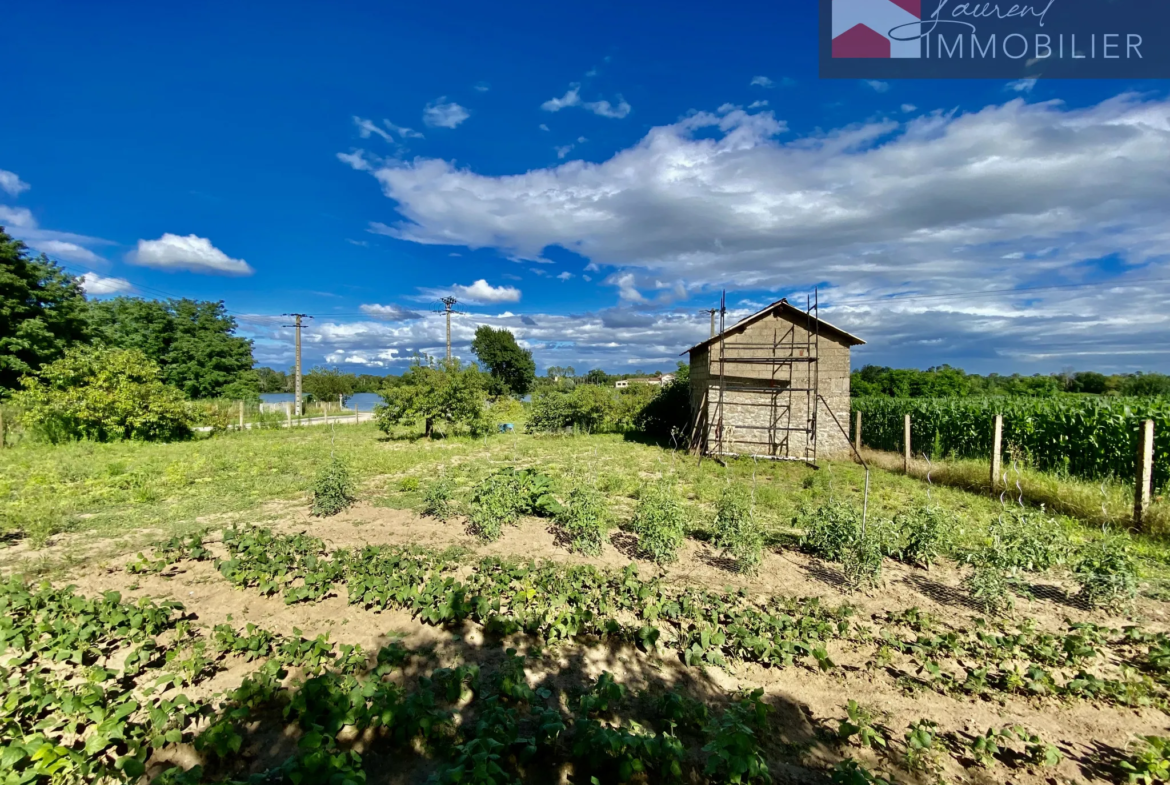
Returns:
<point x="297" y="389"/>
<point x="448" y="302"/>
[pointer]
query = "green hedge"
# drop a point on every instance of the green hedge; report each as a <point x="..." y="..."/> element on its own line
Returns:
<point x="1081" y="436"/>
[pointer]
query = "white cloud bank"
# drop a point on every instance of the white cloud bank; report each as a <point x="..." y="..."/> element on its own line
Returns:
<point x="98" y="285"/>
<point x="192" y="253"/>
<point x="11" y="184"/>
<point x="442" y="113"/>
<point x="479" y="293"/>
<point x="928" y="206"/>
<point x="602" y="108"/>
<point x="62" y="246"/>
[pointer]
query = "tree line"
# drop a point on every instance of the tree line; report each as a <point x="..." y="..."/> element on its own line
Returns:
<point x="946" y="382"/>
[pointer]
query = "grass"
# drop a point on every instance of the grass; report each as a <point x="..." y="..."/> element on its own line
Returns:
<point x="110" y="490"/>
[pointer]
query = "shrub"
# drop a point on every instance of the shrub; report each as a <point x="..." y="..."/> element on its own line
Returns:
<point x="408" y="484"/>
<point x="668" y="412"/>
<point x="1107" y="573"/>
<point x="333" y="490"/>
<point x="104" y="395"/>
<point x="862" y="561"/>
<point x="585" y="520"/>
<point x="1028" y="540"/>
<point x="925" y="532"/>
<point x="736" y="530"/>
<point x="990" y="585"/>
<point x="828" y="529"/>
<point x="506" y="495"/>
<point x="660" y="522"/>
<point x="437" y="499"/>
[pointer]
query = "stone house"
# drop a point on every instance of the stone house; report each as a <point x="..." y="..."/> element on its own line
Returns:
<point x="774" y="385"/>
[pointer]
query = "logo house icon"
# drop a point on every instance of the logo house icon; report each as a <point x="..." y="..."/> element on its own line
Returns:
<point x="861" y="28"/>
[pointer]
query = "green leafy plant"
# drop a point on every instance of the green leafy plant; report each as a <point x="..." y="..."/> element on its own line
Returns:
<point x="925" y="531"/>
<point x="861" y="562"/>
<point x="437" y="499"/>
<point x="989" y="585"/>
<point x="1027" y="540"/>
<point x="862" y="723"/>
<point x="985" y="748"/>
<point x="850" y="772"/>
<point x="1107" y="573"/>
<point x="408" y="484"/>
<point x="333" y="488"/>
<point x="506" y="495"/>
<point x="733" y="752"/>
<point x="737" y="532"/>
<point x="921" y="754"/>
<point x="659" y="521"/>
<point x="1150" y="762"/>
<point x="585" y="520"/>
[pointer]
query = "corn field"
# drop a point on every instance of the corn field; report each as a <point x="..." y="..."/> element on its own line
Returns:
<point x="1078" y="436"/>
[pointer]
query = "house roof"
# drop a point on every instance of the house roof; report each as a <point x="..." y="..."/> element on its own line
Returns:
<point x="793" y="313"/>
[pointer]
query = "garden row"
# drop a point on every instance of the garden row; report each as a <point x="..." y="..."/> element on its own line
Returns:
<point x="1080" y="436"/>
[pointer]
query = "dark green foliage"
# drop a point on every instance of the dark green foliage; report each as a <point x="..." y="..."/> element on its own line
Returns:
<point x="828" y="529"/>
<point x="585" y="519"/>
<point x="850" y="772"/>
<point x="861" y="564"/>
<point x="659" y="521"/>
<point x="862" y="723"/>
<point x="1149" y="762"/>
<point x="921" y="750"/>
<point x="734" y="750"/>
<point x="925" y="532"/>
<point x="434" y="391"/>
<point x="193" y="342"/>
<point x="326" y="384"/>
<point x="1107" y="573"/>
<point x="333" y="488"/>
<point x="437" y="499"/>
<point x="273" y="381"/>
<point x="1027" y="540"/>
<point x="990" y="584"/>
<point x="506" y="495"/>
<point x="1080" y="436"/>
<point x="737" y="532"/>
<point x="667" y="416"/>
<point x="42" y="312"/>
<point x="512" y="368"/>
<point x="103" y="395"/>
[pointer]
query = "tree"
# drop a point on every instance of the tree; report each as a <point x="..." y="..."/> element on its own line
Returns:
<point x="193" y="343"/>
<point x="42" y="312"/>
<point x="326" y="384"/>
<point x="597" y="376"/>
<point x="1144" y="384"/>
<point x="104" y="395"/>
<point x="446" y="391"/>
<point x="272" y="380"/>
<point x="512" y="367"/>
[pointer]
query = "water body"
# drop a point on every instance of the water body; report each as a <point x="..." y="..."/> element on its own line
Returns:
<point x="365" y="401"/>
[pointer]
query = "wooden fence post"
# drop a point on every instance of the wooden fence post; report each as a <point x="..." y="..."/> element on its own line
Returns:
<point x="288" y="414"/>
<point x="1145" y="472"/>
<point x="857" y="432"/>
<point x="906" y="446"/>
<point x="241" y="415"/>
<point x="356" y="414"/>
<point x="996" y="451"/>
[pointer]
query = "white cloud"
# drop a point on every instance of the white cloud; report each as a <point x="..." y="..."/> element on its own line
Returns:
<point x="192" y="253"/>
<point x="581" y="140"/>
<point x="1021" y="85"/>
<point x="98" y="285"/>
<point x="563" y="150"/>
<point x="442" y="113"/>
<point x="479" y="293"/>
<point x="389" y="313"/>
<point x="572" y="97"/>
<point x="368" y="127"/>
<point x="11" y="184"/>
<point x="566" y="275"/>
<point x="757" y="104"/>
<point x="762" y="81"/>
<point x="70" y="252"/>
<point x="17" y="218"/>
<point x="726" y="200"/>
<point x="542" y="127"/>
<point x="877" y="86"/>
<point x="908" y="108"/>
<point x="482" y="87"/>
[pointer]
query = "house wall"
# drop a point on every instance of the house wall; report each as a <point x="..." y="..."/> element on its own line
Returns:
<point x="758" y="410"/>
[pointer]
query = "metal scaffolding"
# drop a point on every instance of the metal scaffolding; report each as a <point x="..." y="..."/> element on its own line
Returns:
<point x="782" y="355"/>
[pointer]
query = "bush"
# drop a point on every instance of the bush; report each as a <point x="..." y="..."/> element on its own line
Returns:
<point x="862" y="560"/>
<point x="925" y="532"/>
<point x="669" y="412"/>
<point x="333" y="490"/>
<point x="1027" y="540"/>
<point x="585" y="520"/>
<point x="104" y="395"/>
<point x="1107" y="573"/>
<point x="660" y="522"/>
<point x="736" y="530"/>
<point x="506" y="495"/>
<point x="436" y="392"/>
<point x="408" y="484"/>
<point x="828" y="529"/>
<point x="990" y="585"/>
<point x="437" y="499"/>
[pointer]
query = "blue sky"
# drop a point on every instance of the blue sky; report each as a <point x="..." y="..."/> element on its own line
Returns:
<point x="589" y="176"/>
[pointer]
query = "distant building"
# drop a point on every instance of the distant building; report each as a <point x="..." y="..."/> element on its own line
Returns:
<point x="652" y="381"/>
